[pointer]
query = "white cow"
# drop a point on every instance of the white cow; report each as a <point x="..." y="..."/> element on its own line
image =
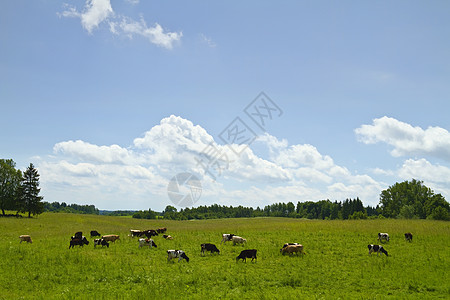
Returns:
<point x="177" y="254"/>
<point x="238" y="240"/>
<point x="226" y="237"/>
<point x="383" y="236"/>
<point x="147" y="242"/>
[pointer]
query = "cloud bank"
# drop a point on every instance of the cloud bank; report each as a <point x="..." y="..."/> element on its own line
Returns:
<point x="137" y="176"/>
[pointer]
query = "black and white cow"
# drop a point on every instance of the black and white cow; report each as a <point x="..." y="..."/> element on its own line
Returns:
<point x="149" y="233"/>
<point x="383" y="236"/>
<point x="408" y="236"/>
<point x="377" y="249"/>
<point x="147" y="242"/>
<point x="249" y="253"/>
<point x="226" y="237"/>
<point x="177" y="254"/>
<point x="101" y="242"/>
<point x="209" y="247"/>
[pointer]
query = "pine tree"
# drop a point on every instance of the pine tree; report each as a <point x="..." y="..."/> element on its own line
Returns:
<point x="30" y="201"/>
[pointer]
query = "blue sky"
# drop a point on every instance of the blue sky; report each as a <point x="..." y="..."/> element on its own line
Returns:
<point x="111" y="99"/>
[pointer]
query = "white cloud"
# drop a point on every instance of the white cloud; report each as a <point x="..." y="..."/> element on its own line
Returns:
<point x="140" y="172"/>
<point x="155" y="34"/>
<point x="424" y="170"/>
<point x="406" y="139"/>
<point x="96" y="12"/>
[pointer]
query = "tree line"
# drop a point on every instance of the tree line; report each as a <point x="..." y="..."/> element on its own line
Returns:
<point x="71" y="208"/>
<point x="408" y="200"/>
<point x="324" y="209"/>
<point x="19" y="191"/>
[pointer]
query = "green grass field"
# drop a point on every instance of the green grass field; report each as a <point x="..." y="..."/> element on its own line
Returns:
<point x="336" y="264"/>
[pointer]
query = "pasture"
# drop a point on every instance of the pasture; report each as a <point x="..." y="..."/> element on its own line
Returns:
<point x="336" y="264"/>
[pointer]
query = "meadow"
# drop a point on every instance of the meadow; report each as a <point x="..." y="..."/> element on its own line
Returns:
<point x="336" y="264"/>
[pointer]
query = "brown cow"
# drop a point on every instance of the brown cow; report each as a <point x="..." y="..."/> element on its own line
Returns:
<point x="110" y="237"/>
<point x="290" y="249"/>
<point x="25" y="238"/>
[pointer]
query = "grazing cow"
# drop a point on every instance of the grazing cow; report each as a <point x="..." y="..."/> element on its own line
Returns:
<point x="177" y="254"/>
<point x="95" y="233"/>
<point x="250" y="253"/>
<point x="150" y="233"/>
<point x="290" y="249"/>
<point x="78" y="235"/>
<point x="383" y="236"/>
<point x="238" y="240"/>
<point x="209" y="247"/>
<point x="101" y="242"/>
<point x="287" y="244"/>
<point x="226" y="237"/>
<point x="147" y="242"/>
<point x="377" y="249"/>
<point x="110" y="237"/>
<point x="408" y="236"/>
<point x="167" y="237"/>
<point x="78" y="242"/>
<point x="137" y="233"/>
<point x="25" y="238"/>
<point x="161" y="230"/>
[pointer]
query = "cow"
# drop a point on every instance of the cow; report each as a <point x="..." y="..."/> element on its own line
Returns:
<point x="238" y="240"/>
<point x="111" y="238"/>
<point x="177" y="254"/>
<point x="249" y="253"/>
<point x="95" y="233"/>
<point x="167" y="237"/>
<point x="408" y="236"/>
<point x="377" y="249"/>
<point x="78" y="242"/>
<point x="25" y="238"/>
<point x="101" y="242"/>
<point x="226" y="237"/>
<point x="209" y="247"/>
<point x="78" y="235"/>
<point x="147" y="242"/>
<point x="135" y="232"/>
<point x="383" y="236"/>
<point x="290" y="249"/>
<point x="287" y="244"/>
<point x="161" y="230"/>
<point x="150" y="233"/>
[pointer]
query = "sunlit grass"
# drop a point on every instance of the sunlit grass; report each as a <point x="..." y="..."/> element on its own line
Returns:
<point x="336" y="263"/>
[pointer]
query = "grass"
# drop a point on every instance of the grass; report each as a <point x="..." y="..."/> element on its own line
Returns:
<point x="336" y="264"/>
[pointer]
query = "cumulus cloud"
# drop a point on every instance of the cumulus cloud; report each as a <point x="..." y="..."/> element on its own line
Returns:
<point x="96" y="12"/>
<point x="143" y="169"/>
<point x="423" y="169"/>
<point x="406" y="139"/>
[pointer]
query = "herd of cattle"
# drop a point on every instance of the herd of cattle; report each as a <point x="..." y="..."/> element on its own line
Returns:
<point x="288" y="248"/>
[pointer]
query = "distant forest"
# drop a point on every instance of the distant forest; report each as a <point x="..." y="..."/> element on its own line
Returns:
<point x="324" y="209"/>
<point x="408" y="200"/>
